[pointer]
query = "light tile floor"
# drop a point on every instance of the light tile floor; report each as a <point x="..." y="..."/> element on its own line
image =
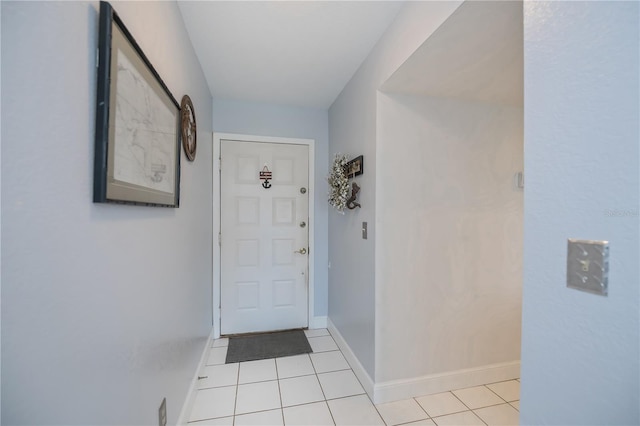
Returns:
<point x="321" y="389"/>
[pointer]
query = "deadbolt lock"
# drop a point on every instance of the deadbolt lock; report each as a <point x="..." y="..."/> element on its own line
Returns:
<point x="303" y="224"/>
<point x="303" y="190"/>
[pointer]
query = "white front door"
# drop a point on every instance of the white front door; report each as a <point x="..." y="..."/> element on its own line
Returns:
<point x="264" y="236"/>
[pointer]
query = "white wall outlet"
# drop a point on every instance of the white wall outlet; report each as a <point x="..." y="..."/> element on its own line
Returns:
<point x="588" y="266"/>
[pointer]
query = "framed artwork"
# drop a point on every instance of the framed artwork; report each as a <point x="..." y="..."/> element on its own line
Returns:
<point x="354" y="167"/>
<point x="138" y="121"/>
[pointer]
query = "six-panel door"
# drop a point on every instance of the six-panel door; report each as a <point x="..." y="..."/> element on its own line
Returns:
<point x="264" y="241"/>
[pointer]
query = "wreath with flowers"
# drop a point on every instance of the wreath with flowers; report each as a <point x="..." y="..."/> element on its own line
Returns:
<point x="338" y="183"/>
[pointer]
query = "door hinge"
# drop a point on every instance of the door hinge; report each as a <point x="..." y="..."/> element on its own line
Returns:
<point x="219" y="239"/>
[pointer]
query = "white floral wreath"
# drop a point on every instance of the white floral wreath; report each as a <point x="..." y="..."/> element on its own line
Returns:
<point x="338" y="183"/>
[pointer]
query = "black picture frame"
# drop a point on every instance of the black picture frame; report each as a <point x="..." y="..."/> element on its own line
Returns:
<point x="354" y="167"/>
<point x="137" y="140"/>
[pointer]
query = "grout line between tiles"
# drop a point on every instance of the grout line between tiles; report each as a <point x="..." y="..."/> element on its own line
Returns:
<point x="210" y="418"/>
<point x="495" y="393"/>
<point x="253" y="412"/>
<point x="410" y="422"/>
<point x="501" y="381"/>
<point x="330" y="412"/>
<point x="481" y="419"/>
<point x="451" y="414"/>
<point x="279" y="391"/>
<point x="259" y="381"/>
<point x="365" y="392"/>
<point x="469" y="409"/>
<point x="492" y="405"/>
<point x="359" y="382"/>
<point x="421" y="407"/>
<point x="235" y="401"/>
<point x="295" y="377"/>
<point x="322" y="390"/>
<point x="379" y="415"/>
<point x="451" y="392"/>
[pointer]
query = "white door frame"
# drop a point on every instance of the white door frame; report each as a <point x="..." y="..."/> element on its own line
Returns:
<point x="217" y="138"/>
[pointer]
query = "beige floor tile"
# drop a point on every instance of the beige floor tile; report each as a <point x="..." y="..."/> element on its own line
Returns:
<point x="477" y="397"/>
<point x="254" y="397"/>
<point x="441" y="404"/>
<point x="398" y="412"/>
<point x="316" y="414"/>
<point x="339" y="384"/>
<point x="213" y="403"/>
<point x="466" y="418"/>
<point x="354" y="410"/>
<point x="263" y="418"/>
<point x="499" y="415"/>
<point x="509" y="390"/>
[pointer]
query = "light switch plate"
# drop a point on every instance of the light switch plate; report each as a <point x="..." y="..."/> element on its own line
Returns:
<point x="588" y="266"/>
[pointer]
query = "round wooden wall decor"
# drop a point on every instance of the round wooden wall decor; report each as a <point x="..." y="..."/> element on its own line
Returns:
<point x="188" y="127"/>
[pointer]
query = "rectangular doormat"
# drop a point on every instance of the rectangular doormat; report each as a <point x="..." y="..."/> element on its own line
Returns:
<point x="267" y="345"/>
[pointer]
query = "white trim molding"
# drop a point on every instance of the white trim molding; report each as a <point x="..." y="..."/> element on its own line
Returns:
<point x="183" y="418"/>
<point x="217" y="138"/>
<point x="395" y="390"/>
<point x="352" y="359"/>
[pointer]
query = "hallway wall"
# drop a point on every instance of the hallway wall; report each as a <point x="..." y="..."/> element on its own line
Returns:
<point x="352" y="131"/>
<point x="449" y="236"/>
<point x="580" y="352"/>
<point x="254" y="118"/>
<point x="105" y="308"/>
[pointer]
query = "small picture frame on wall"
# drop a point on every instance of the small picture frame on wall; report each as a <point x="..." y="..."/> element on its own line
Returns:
<point x="138" y="121"/>
<point x="354" y="167"/>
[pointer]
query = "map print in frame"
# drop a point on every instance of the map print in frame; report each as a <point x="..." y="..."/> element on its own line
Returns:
<point x="137" y="135"/>
<point x="143" y="151"/>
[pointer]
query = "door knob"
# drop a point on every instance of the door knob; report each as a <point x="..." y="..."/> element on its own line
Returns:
<point x="301" y="251"/>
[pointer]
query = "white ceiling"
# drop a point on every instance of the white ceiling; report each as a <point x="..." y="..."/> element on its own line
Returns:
<point x="476" y="54"/>
<point x="284" y="52"/>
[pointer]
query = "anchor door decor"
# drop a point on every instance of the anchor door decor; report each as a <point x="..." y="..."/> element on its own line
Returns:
<point x="265" y="176"/>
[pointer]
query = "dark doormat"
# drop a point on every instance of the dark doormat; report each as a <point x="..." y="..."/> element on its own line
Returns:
<point x="267" y="345"/>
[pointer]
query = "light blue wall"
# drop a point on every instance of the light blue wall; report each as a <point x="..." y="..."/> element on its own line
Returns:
<point x="105" y="308"/>
<point x="250" y="118"/>
<point x="353" y="280"/>
<point x="580" y="352"/>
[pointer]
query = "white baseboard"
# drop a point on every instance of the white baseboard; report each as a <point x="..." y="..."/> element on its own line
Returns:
<point x="395" y="390"/>
<point x="318" y="322"/>
<point x="351" y="358"/>
<point x="183" y="418"/>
